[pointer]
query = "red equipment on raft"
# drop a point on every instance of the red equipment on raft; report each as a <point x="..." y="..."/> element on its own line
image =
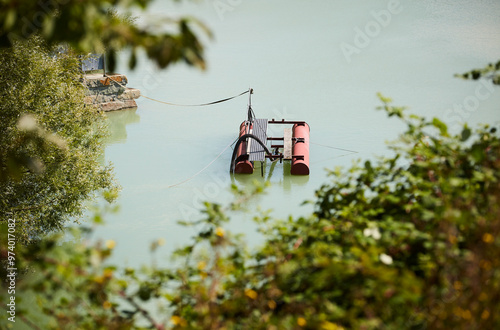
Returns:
<point x="300" y="152"/>
<point x="243" y="165"/>
<point x="252" y="145"/>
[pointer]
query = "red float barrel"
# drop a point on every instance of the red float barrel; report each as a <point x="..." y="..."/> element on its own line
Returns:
<point x="300" y="149"/>
<point x="242" y="164"/>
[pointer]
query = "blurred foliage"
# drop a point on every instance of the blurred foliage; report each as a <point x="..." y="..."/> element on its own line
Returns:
<point x="100" y="26"/>
<point x="491" y="71"/>
<point x="405" y="242"/>
<point x="50" y="142"/>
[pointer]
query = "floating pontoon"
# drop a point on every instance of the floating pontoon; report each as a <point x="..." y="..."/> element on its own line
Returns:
<point x="252" y="144"/>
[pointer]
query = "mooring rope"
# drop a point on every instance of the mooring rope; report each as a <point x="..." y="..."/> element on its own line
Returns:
<point x="195" y="105"/>
<point x="203" y="169"/>
<point x="323" y="145"/>
<point x="185" y="105"/>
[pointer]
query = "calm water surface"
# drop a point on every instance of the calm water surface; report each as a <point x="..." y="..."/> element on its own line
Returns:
<point x="318" y="61"/>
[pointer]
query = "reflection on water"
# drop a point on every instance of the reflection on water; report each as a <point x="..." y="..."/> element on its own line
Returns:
<point x="274" y="172"/>
<point x="292" y="180"/>
<point x="118" y="120"/>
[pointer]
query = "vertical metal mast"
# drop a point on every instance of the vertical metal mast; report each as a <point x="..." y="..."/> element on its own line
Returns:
<point x="250" y="111"/>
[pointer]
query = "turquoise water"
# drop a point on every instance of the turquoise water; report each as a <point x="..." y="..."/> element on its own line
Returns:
<point x="318" y="61"/>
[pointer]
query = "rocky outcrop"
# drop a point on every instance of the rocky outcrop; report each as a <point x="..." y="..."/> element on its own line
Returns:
<point x="110" y="93"/>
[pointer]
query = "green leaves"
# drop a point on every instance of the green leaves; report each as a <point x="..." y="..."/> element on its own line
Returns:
<point x="443" y="129"/>
<point x="491" y="71"/>
<point x="97" y="26"/>
<point x="465" y="135"/>
<point x="391" y="110"/>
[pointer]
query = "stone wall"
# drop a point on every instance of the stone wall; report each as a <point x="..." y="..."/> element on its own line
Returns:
<point x="110" y="93"/>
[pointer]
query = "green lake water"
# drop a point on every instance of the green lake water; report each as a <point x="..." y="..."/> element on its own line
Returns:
<point x="318" y="61"/>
